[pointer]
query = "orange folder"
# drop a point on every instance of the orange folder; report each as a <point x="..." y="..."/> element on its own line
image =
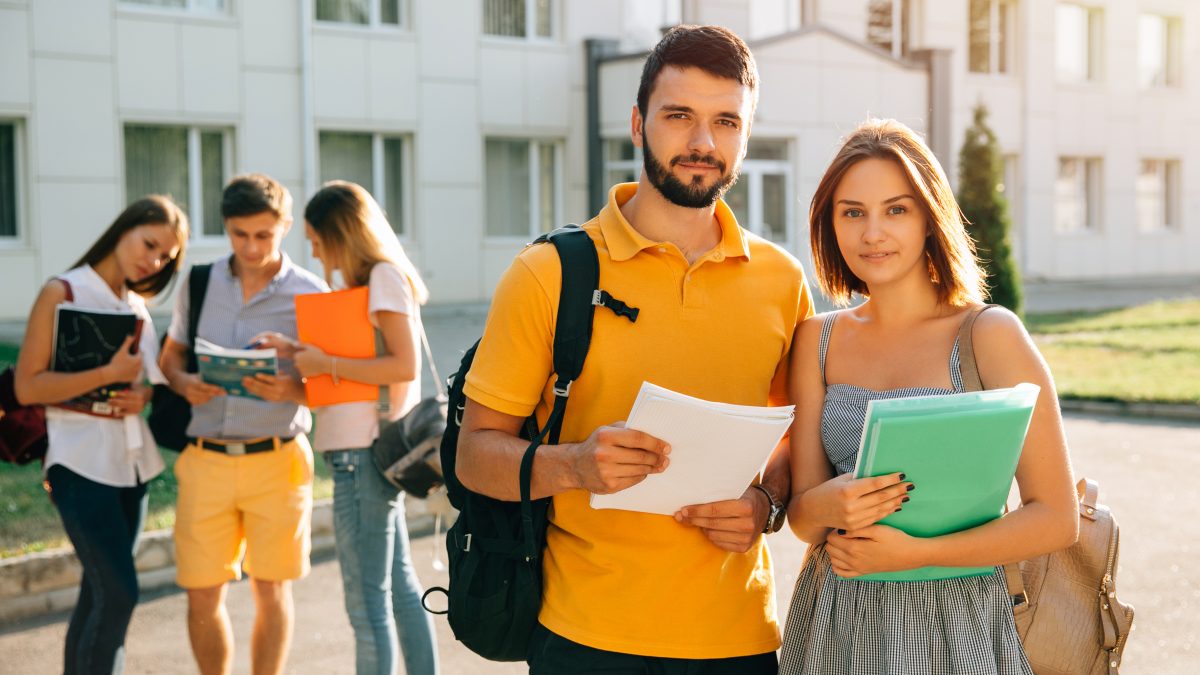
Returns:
<point x="337" y="323"/>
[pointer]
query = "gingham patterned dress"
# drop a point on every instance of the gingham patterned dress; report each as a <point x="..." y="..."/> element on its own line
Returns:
<point x="846" y="627"/>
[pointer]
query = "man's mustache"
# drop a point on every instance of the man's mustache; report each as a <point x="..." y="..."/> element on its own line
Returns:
<point x="708" y="160"/>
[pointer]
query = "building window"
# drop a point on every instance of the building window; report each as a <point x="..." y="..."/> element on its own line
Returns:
<point x="1159" y="52"/>
<point x="761" y="199"/>
<point x="212" y="6"/>
<point x="9" y="208"/>
<point x="622" y="162"/>
<point x="887" y="26"/>
<point x="524" y="186"/>
<point x="362" y="12"/>
<point x="1077" y="195"/>
<point x="191" y="164"/>
<point x="1079" y="34"/>
<point x="1158" y="195"/>
<point x="989" y="34"/>
<point x="378" y="162"/>
<point x="518" y="18"/>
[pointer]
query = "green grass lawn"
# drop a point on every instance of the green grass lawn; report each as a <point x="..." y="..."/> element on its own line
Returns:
<point x="1148" y="353"/>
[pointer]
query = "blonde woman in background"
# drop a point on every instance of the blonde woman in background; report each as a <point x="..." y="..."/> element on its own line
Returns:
<point x="350" y="235"/>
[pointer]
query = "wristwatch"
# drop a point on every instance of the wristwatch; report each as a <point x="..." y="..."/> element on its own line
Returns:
<point x="775" y="515"/>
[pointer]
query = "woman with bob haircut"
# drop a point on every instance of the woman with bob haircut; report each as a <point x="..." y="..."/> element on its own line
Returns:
<point x="885" y="226"/>
<point x="351" y="236"/>
<point x="96" y="467"/>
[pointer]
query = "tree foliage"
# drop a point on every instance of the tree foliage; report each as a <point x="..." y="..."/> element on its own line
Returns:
<point x="983" y="202"/>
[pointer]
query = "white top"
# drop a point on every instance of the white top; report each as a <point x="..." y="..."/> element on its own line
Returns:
<point x="356" y="425"/>
<point x="121" y="451"/>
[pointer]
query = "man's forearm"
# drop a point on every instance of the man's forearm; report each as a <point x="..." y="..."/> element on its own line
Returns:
<point x="489" y="462"/>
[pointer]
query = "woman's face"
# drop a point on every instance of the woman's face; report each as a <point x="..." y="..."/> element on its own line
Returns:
<point x="318" y="250"/>
<point x="880" y="225"/>
<point x="144" y="250"/>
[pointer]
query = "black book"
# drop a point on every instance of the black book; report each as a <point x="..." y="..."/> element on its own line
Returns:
<point x="89" y="338"/>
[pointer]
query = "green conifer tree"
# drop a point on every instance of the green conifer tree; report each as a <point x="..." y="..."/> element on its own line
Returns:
<point x="980" y="176"/>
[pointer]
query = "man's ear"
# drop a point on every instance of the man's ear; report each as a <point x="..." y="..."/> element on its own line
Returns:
<point x="637" y="126"/>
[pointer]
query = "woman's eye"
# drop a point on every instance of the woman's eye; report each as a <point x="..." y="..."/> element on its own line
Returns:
<point x="852" y="213"/>
<point x="897" y="210"/>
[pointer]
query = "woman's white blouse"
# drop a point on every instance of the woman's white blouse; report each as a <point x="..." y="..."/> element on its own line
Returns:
<point x="118" y="452"/>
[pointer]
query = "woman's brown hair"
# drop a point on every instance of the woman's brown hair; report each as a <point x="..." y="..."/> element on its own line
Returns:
<point x="355" y="236"/>
<point x="149" y="210"/>
<point x="950" y="252"/>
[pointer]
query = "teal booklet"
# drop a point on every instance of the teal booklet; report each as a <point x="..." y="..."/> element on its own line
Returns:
<point x="961" y="453"/>
<point x="226" y="367"/>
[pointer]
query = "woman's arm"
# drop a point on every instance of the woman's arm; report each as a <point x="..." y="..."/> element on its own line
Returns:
<point x="398" y="365"/>
<point x="821" y="501"/>
<point x="1047" y="519"/>
<point x="36" y="383"/>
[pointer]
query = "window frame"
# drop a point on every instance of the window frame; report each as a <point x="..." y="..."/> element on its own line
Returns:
<point x="374" y="18"/>
<point x="1000" y="51"/>
<point x="534" y="195"/>
<point x="190" y="7"/>
<point x="753" y="171"/>
<point x="1172" y="52"/>
<point x="530" y="25"/>
<point x="1093" y="196"/>
<point x="1169" y="171"/>
<point x="901" y="28"/>
<point x="195" y="207"/>
<point x="20" y="238"/>
<point x="1095" y="66"/>
<point x="378" y="188"/>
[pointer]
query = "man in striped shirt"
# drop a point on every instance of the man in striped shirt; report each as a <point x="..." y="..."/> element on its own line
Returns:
<point x="245" y="478"/>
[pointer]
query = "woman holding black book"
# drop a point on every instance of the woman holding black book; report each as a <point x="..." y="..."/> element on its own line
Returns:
<point x="885" y="226"/>
<point x="101" y="453"/>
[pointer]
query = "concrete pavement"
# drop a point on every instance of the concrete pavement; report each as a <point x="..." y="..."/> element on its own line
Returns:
<point x="1146" y="472"/>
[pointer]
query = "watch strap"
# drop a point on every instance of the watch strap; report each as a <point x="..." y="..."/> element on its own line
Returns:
<point x="773" y="512"/>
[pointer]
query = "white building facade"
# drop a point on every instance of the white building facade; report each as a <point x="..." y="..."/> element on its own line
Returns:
<point x="478" y="124"/>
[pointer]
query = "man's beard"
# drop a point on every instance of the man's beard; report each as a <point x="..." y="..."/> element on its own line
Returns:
<point x="695" y="195"/>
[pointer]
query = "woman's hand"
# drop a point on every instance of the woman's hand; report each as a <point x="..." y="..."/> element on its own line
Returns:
<point x="130" y="401"/>
<point x="877" y="548"/>
<point x="311" y="361"/>
<point x="124" y="367"/>
<point x="849" y="503"/>
<point x="284" y="346"/>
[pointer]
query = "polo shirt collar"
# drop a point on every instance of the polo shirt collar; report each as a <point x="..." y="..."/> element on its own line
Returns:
<point x="285" y="268"/>
<point x="624" y="241"/>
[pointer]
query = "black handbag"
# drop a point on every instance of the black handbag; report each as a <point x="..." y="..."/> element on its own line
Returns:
<point x="406" y="452"/>
<point x="171" y="413"/>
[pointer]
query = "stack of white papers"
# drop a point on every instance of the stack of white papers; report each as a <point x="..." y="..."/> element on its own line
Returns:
<point x="716" y="450"/>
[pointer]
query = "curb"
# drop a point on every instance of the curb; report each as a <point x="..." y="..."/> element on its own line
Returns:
<point x="1169" y="411"/>
<point x="47" y="582"/>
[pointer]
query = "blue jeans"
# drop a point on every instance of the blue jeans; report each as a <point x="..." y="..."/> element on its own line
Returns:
<point x="103" y="524"/>
<point x="383" y="595"/>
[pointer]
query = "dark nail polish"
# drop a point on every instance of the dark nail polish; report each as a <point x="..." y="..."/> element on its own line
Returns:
<point x="841" y="531"/>
<point x="897" y="510"/>
<point x="905" y="499"/>
<point x="901" y="476"/>
<point x="910" y="487"/>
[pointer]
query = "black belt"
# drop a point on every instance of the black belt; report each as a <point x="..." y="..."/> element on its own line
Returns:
<point x="235" y="448"/>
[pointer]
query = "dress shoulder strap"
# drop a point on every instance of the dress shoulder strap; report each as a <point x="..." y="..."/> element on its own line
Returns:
<point x="823" y="347"/>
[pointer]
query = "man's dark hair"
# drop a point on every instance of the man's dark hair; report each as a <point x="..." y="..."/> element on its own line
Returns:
<point x="713" y="49"/>
<point x="254" y="193"/>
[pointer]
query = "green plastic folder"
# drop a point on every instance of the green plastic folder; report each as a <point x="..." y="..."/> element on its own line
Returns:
<point x="961" y="453"/>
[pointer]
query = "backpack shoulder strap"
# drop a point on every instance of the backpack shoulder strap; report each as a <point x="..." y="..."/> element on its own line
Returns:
<point x="197" y="289"/>
<point x="580" y="280"/>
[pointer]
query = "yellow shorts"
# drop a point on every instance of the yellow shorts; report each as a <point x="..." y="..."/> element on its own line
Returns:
<point x="259" y="505"/>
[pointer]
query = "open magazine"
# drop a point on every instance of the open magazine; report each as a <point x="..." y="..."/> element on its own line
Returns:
<point x="89" y="338"/>
<point x="226" y="367"/>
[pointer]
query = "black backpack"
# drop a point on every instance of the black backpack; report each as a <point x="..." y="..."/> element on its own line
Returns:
<point x="495" y="547"/>
<point x="170" y="413"/>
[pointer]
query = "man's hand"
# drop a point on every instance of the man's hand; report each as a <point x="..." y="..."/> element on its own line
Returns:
<point x="732" y="525"/>
<point x="275" y="387"/>
<point x="284" y="346"/>
<point x="614" y="458"/>
<point x="197" y="391"/>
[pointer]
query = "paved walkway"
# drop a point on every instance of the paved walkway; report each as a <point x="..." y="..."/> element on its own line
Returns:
<point x="1146" y="472"/>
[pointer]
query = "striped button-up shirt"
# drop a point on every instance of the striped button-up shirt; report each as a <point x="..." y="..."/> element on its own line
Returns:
<point x="227" y="320"/>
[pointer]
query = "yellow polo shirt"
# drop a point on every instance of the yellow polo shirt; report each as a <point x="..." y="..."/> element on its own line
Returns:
<point x="719" y="329"/>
